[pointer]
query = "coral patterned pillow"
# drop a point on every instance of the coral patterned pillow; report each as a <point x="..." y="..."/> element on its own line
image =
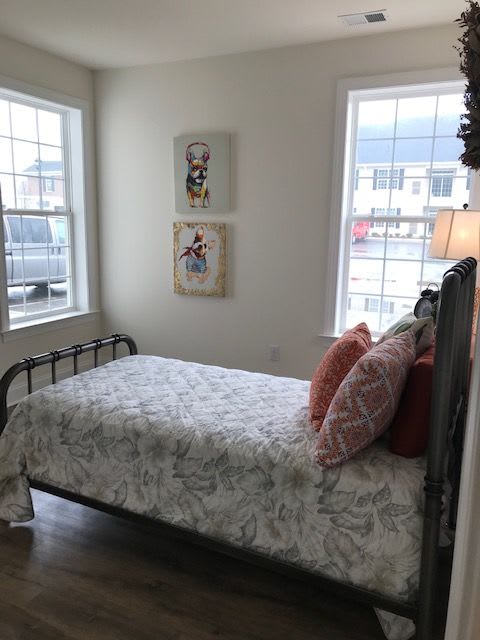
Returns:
<point x="333" y="368"/>
<point x="366" y="401"/>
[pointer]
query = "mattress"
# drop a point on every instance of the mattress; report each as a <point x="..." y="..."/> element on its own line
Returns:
<point x="226" y="453"/>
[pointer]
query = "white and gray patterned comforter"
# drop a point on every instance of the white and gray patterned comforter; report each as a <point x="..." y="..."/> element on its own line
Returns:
<point x="225" y="453"/>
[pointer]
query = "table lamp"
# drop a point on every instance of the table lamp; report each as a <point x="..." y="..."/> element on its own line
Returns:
<point x="456" y="235"/>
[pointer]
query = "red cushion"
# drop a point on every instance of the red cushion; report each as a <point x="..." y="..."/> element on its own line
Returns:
<point x="409" y="432"/>
<point x="334" y="366"/>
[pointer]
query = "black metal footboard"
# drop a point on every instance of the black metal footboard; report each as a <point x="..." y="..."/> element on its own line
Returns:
<point x="52" y="357"/>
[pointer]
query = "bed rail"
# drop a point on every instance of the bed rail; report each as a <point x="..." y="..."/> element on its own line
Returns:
<point x="52" y="357"/>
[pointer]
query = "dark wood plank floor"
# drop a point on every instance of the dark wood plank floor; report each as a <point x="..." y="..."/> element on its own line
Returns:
<point x="77" y="574"/>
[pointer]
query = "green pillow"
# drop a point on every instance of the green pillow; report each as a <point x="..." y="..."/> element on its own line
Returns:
<point x="423" y="328"/>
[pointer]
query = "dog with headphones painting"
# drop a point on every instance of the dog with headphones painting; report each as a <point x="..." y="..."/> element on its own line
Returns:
<point x="197" y="187"/>
<point x="202" y="172"/>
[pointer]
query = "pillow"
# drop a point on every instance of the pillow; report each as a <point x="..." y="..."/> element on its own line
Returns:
<point x="409" y="434"/>
<point x="366" y="401"/>
<point x="423" y="328"/>
<point x="334" y="366"/>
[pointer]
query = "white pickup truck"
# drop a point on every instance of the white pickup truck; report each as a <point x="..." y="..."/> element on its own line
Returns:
<point x="41" y="258"/>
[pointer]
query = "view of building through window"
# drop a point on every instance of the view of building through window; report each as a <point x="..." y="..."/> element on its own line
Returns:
<point x="405" y="169"/>
<point x="36" y="208"/>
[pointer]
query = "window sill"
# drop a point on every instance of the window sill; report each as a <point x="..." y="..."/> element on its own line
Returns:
<point x="47" y="325"/>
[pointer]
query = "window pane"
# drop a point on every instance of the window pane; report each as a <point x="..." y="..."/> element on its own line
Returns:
<point x="28" y="192"/>
<point x="402" y="278"/>
<point x="49" y="127"/>
<point x="41" y="262"/>
<point x="407" y="245"/>
<point x="35" y="231"/>
<point x="25" y="158"/>
<point x="6" y="164"/>
<point x="36" y="268"/>
<point x="433" y="270"/>
<point x="51" y="161"/>
<point x="60" y="230"/>
<point x="416" y="117"/>
<point x="448" y="150"/>
<point x="365" y="276"/>
<point x="24" y="122"/>
<point x="394" y="308"/>
<point x="448" y="118"/>
<point x="368" y="196"/>
<point x="8" y="191"/>
<point x="413" y="151"/>
<point x="4" y="119"/>
<point x="376" y="119"/>
<point x="53" y="196"/>
<point x="375" y="151"/>
<point x="363" y="309"/>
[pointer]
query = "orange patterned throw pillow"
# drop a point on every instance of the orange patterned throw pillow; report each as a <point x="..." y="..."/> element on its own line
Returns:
<point x="366" y="401"/>
<point x="335" y="364"/>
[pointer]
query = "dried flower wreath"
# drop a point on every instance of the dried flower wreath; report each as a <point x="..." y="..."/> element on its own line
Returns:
<point x="469" y="52"/>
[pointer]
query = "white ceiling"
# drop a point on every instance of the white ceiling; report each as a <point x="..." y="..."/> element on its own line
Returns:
<point x="119" y="33"/>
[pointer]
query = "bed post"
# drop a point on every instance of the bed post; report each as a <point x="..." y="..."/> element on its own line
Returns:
<point x="453" y="346"/>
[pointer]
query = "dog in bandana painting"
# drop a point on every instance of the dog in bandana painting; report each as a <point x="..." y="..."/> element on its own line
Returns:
<point x="196" y="255"/>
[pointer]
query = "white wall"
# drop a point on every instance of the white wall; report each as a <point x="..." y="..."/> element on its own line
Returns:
<point x="41" y="69"/>
<point x="279" y="107"/>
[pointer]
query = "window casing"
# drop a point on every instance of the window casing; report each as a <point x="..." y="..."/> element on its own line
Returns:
<point x="389" y="166"/>
<point x="44" y="268"/>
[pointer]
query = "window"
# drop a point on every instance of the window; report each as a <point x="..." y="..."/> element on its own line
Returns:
<point x="403" y="137"/>
<point x="442" y="183"/>
<point x="388" y="178"/>
<point x="43" y="274"/>
<point x="48" y="186"/>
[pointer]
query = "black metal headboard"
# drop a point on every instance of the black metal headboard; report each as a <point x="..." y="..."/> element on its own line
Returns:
<point x="447" y="419"/>
<point x="52" y="357"/>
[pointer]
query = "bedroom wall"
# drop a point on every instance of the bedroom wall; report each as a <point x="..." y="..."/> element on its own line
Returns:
<point x="279" y="107"/>
<point x="41" y="69"/>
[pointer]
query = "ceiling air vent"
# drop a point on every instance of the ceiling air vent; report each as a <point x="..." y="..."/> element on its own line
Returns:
<point x="354" y="19"/>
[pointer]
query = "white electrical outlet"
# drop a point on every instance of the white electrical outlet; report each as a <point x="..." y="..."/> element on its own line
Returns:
<point x="274" y="353"/>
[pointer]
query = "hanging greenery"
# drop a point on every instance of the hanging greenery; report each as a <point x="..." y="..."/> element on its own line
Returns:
<point x="469" y="52"/>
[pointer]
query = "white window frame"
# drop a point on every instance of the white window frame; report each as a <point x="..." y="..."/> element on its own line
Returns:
<point x="437" y="80"/>
<point x="83" y="241"/>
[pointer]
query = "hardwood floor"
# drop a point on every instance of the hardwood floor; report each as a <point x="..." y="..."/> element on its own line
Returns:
<point x="77" y="574"/>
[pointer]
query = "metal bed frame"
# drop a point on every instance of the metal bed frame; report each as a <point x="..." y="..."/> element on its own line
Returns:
<point x="447" y="423"/>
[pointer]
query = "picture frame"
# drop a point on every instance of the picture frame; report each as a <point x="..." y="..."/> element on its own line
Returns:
<point x="199" y="258"/>
<point x="202" y="173"/>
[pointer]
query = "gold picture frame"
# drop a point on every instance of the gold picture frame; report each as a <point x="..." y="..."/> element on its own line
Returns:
<point x="199" y="258"/>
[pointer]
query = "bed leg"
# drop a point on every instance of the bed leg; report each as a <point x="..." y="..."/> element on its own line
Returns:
<point x="429" y="565"/>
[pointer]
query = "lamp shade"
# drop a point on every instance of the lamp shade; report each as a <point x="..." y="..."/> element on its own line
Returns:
<point x="456" y="234"/>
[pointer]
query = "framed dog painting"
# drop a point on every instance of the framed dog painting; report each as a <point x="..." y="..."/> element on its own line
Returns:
<point x="202" y="173"/>
<point x="199" y="256"/>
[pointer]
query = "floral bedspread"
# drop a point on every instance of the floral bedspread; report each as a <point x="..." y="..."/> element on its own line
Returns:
<point x="225" y="453"/>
